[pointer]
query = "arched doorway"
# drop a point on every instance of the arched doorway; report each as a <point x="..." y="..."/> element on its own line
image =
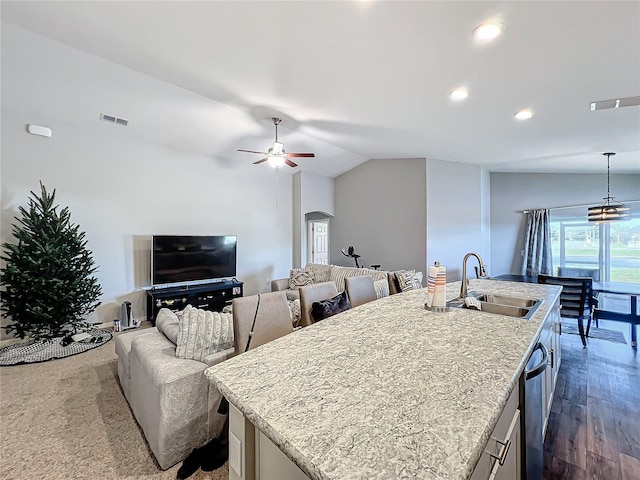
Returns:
<point x="317" y="238"/>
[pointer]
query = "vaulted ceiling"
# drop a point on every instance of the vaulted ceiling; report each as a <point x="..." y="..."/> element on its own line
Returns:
<point x="373" y="78"/>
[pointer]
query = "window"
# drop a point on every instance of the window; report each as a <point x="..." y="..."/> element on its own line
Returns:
<point x="611" y="248"/>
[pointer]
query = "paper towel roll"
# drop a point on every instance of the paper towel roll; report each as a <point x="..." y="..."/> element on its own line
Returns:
<point x="437" y="286"/>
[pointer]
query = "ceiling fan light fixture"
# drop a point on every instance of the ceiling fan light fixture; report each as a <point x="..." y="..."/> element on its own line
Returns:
<point x="276" y="160"/>
<point x="275" y="155"/>
<point x="609" y="210"/>
<point x="277" y="149"/>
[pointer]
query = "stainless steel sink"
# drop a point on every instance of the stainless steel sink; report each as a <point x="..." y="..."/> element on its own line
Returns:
<point x="508" y="310"/>
<point x="502" y="305"/>
<point x="502" y="300"/>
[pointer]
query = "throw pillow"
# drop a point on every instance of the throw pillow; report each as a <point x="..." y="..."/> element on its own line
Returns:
<point x="168" y="323"/>
<point x="329" y="307"/>
<point x="294" y="310"/>
<point x="338" y="274"/>
<point x="382" y="288"/>
<point x="203" y="332"/>
<point x="299" y="277"/>
<point x="409" y="280"/>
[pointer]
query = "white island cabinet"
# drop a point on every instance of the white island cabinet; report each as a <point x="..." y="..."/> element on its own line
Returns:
<point x="502" y="456"/>
<point x="386" y="390"/>
<point x="550" y="337"/>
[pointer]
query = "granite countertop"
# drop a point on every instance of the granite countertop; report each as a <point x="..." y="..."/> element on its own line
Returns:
<point x="388" y="389"/>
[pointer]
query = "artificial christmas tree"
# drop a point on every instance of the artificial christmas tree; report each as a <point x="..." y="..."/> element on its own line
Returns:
<point x="48" y="281"/>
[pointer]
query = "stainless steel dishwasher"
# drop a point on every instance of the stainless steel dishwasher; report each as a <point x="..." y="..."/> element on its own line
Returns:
<point x="532" y="419"/>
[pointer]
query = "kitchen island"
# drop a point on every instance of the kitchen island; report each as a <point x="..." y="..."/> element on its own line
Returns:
<point x="385" y="390"/>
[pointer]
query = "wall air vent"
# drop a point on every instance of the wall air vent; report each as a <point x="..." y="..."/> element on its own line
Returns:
<point x="615" y="103"/>
<point x="113" y="119"/>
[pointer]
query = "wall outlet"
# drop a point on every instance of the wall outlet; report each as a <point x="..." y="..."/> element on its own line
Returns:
<point x="235" y="454"/>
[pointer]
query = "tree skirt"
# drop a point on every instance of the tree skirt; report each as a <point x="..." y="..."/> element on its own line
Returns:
<point x="35" y="351"/>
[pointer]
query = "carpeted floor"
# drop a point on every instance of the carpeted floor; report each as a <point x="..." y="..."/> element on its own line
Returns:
<point x="68" y="419"/>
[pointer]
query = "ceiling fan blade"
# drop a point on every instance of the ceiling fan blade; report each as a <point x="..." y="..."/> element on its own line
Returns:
<point x="301" y="154"/>
<point x="252" y="151"/>
<point x="260" y="161"/>
<point x="290" y="163"/>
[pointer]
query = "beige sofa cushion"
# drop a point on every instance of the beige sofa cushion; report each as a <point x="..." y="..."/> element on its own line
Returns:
<point x="338" y="274"/>
<point x="321" y="272"/>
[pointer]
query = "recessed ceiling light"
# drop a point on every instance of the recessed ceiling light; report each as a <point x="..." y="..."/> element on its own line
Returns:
<point x="488" y="31"/>
<point x="524" y="114"/>
<point x="459" y="93"/>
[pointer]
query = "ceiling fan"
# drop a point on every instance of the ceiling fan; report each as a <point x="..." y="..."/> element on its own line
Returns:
<point x="276" y="154"/>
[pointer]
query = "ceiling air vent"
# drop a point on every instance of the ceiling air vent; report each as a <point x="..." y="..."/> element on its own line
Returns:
<point x="113" y="119"/>
<point x="615" y="103"/>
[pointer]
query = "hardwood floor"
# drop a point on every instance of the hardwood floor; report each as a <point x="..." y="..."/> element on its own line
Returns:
<point x="594" y="426"/>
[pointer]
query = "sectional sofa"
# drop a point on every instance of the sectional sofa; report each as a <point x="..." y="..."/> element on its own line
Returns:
<point x="385" y="282"/>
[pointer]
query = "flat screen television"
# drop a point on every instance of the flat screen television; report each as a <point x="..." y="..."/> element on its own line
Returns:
<point x="180" y="259"/>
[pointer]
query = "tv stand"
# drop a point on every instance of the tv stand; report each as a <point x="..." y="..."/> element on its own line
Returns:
<point x="212" y="296"/>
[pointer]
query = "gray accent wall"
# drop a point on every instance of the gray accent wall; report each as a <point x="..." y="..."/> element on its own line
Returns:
<point x="380" y="209"/>
<point x="512" y="193"/>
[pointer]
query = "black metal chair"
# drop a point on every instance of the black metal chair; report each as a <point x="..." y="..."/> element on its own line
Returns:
<point x="576" y="300"/>
<point x="594" y="273"/>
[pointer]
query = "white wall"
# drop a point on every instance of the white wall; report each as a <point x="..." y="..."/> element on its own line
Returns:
<point x="121" y="185"/>
<point x="457" y="206"/>
<point x="380" y="209"/>
<point x="512" y="193"/>
<point x="311" y="193"/>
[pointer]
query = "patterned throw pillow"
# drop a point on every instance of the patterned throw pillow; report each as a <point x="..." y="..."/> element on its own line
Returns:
<point x="409" y="280"/>
<point x="203" y="332"/>
<point x="299" y="277"/>
<point x="382" y="288"/>
<point x="329" y="307"/>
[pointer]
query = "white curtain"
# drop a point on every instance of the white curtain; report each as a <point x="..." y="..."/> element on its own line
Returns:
<point x="537" y="248"/>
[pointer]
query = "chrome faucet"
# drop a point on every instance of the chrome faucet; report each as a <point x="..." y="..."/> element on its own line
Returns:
<point x="465" y="280"/>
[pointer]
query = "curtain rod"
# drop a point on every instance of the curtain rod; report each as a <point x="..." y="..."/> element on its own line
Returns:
<point x="579" y="206"/>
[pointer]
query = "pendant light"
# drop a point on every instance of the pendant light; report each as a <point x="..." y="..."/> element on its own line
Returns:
<point x="609" y="211"/>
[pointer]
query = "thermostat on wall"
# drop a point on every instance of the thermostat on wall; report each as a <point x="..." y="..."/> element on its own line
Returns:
<point x="39" y="130"/>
